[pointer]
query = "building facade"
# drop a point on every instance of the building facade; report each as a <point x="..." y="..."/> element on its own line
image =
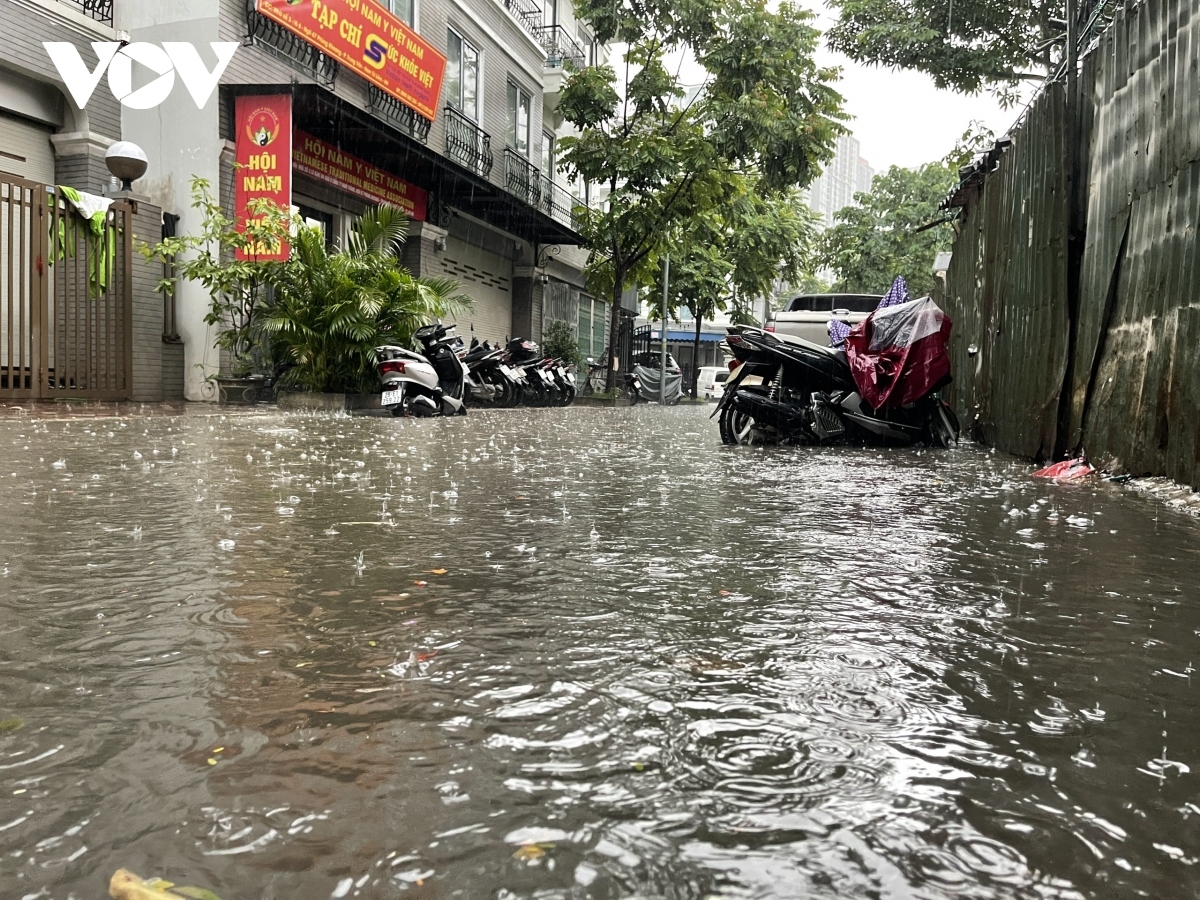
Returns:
<point x="492" y="210"/>
<point x="844" y="176"/>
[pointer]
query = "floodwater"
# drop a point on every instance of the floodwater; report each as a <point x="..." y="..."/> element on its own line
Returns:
<point x="583" y="653"/>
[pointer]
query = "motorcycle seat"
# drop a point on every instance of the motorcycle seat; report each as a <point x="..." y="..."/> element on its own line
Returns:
<point x="839" y="355"/>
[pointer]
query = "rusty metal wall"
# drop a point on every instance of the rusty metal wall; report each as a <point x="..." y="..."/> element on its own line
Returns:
<point x="1006" y="291"/>
<point x="1135" y="387"/>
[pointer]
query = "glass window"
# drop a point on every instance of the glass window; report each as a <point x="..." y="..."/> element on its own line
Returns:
<point x="404" y="10"/>
<point x="549" y="12"/>
<point x="518" y="119"/>
<point x="548" y="159"/>
<point x="462" y="75"/>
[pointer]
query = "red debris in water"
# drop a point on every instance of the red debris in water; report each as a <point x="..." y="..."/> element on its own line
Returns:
<point x="1067" y="470"/>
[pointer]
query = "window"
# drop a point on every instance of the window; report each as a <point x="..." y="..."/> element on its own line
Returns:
<point x="404" y="10"/>
<point x="548" y="155"/>
<point x="319" y="219"/>
<point x="518" y="119"/>
<point x="462" y="75"/>
<point x="549" y="12"/>
<point x="593" y="326"/>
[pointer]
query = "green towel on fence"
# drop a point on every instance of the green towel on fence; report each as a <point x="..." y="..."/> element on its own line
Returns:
<point x="102" y="242"/>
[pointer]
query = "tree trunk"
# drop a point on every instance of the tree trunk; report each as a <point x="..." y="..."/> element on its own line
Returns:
<point x="696" y="356"/>
<point x="614" y="331"/>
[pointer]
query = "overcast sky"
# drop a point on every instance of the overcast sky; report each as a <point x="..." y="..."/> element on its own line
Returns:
<point x="900" y="118"/>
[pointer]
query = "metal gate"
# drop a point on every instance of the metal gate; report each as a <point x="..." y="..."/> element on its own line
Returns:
<point x="66" y="297"/>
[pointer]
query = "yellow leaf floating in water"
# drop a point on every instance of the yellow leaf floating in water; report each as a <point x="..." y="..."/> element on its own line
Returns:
<point x="211" y="761"/>
<point x="124" y="885"/>
<point x="437" y="571"/>
<point x="531" y="852"/>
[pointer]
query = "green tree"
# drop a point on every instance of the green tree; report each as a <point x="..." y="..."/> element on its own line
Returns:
<point x="727" y="258"/>
<point x="965" y="45"/>
<point x="765" y="107"/>
<point x="880" y="238"/>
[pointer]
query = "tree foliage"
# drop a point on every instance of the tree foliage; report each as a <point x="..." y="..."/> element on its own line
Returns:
<point x="965" y="45"/>
<point x="878" y="239"/>
<point x="765" y="107"/>
<point x="729" y="257"/>
<point x="897" y="228"/>
<point x="331" y="310"/>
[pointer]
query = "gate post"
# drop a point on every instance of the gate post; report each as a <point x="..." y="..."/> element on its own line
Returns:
<point x="145" y="301"/>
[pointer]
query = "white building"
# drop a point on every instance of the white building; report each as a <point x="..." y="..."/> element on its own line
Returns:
<point x="844" y="176"/>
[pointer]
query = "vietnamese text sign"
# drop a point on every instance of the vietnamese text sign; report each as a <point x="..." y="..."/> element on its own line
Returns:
<point x="325" y="162"/>
<point x="369" y="41"/>
<point x="264" y="162"/>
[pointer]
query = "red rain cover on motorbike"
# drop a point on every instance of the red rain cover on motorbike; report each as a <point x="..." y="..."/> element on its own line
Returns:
<point x="898" y="354"/>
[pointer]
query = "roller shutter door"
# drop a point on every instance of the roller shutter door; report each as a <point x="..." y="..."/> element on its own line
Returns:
<point x="487" y="279"/>
<point x="25" y="149"/>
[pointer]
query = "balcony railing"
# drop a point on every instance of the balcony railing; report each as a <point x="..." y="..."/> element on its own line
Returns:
<point x="396" y="114"/>
<point x="100" y="10"/>
<point x="467" y="143"/>
<point x="282" y="44"/>
<point x="525" y="180"/>
<point x="557" y="202"/>
<point x="522" y="177"/>
<point x="527" y="12"/>
<point x="561" y="48"/>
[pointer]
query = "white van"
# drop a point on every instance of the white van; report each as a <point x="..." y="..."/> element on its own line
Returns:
<point x="712" y="382"/>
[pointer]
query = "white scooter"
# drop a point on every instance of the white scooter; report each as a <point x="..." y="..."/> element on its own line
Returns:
<point x="423" y="385"/>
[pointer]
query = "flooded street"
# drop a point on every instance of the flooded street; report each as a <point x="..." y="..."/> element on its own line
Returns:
<point x="583" y="653"/>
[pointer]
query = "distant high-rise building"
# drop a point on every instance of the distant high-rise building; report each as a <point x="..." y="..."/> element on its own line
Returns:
<point x="844" y="176"/>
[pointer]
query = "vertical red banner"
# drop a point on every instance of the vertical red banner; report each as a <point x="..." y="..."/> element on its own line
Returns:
<point x="264" y="163"/>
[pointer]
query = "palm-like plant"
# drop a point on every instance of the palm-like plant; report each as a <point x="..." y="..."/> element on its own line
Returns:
<point x="330" y="310"/>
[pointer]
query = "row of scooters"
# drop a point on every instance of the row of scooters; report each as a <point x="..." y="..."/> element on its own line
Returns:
<point x="448" y="376"/>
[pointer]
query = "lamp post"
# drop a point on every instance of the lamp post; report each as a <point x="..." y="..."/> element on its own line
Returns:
<point x="662" y="366"/>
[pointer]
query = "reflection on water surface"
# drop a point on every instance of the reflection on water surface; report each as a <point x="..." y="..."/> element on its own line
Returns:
<point x="583" y="654"/>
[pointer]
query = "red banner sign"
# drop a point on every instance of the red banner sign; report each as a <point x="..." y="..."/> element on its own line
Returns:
<point x="264" y="162"/>
<point x="325" y="162"/>
<point x="367" y="39"/>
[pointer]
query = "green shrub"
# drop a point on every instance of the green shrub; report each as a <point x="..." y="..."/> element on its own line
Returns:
<point x="558" y="340"/>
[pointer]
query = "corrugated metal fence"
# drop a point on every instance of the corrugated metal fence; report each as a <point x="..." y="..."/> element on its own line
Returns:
<point x="1135" y="380"/>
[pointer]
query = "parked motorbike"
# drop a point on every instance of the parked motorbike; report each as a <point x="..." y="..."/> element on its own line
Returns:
<point x="492" y="382"/>
<point x="541" y="385"/>
<point x="786" y="389"/>
<point x="429" y="384"/>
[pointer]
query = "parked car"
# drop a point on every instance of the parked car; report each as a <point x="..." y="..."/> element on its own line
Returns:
<point x="807" y="316"/>
<point x="712" y="382"/>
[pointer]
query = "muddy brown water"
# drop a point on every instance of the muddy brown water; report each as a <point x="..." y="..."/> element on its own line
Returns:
<point x="652" y="667"/>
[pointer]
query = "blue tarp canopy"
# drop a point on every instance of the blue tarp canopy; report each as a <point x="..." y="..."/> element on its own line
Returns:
<point x="706" y="337"/>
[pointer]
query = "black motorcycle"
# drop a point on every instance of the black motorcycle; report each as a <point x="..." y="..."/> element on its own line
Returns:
<point x="788" y="390"/>
<point x="492" y="381"/>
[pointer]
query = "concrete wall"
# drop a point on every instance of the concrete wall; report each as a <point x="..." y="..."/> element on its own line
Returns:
<point x="182" y="142"/>
<point x="81" y="135"/>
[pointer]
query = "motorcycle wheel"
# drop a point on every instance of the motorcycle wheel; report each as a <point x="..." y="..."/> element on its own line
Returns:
<point x="736" y="427"/>
<point x="943" y="427"/>
<point x="568" y="396"/>
<point x="499" y="385"/>
<point x="516" y="395"/>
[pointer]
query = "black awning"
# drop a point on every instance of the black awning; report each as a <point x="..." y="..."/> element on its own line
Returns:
<point x="361" y="134"/>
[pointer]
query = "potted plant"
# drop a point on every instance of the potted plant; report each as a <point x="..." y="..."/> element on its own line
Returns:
<point x="329" y="311"/>
<point x="239" y="289"/>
